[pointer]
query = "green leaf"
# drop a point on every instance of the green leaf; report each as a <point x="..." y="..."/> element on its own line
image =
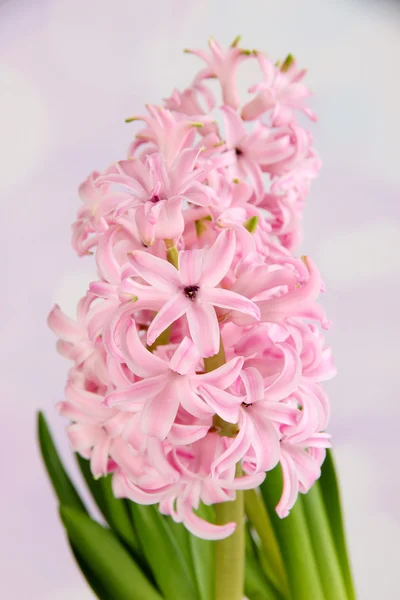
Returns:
<point x="163" y="554"/>
<point x="110" y="563"/>
<point x="90" y="577"/>
<point x="182" y="538"/>
<point x="258" y="516"/>
<point x="294" y="541"/>
<point x="63" y="487"/>
<point x="203" y="556"/>
<point x="330" y="493"/>
<point x="93" y="484"/>
<point x="256" y="586"/>
<point x="115" y="511"/>
<point x="323" y="546"/>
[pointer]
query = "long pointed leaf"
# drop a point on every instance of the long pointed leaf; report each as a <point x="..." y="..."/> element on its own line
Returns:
<point x="294" y="541"/>
<point x="110" y="563"/>
<point x="330" y="492"/>
<point x="323" y="546"/>
<point x="258" y="516"/>
<point x="163" y="554"/>
<point x="115" y="511"/>
<point x="256" y="585"/>
<point x="90" y="577"/>
<point x="63" y="487"/>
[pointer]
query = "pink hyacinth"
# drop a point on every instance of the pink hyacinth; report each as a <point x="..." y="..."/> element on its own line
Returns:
<point x="199" y="346"/>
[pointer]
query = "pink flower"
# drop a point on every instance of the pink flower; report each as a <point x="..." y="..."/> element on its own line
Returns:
<point x="140" y="398"/>
<point x="90" y="223"/>
<point x="254" y="151"/>
<point x="195" y="484"/>
<point x="165" y="386"/>
<point x="223" y="65"/>
<point x="155" y="193"/>
<point x="281" y="91"/>
<point x="165" y="132"/>
<point x="192" y="291"/>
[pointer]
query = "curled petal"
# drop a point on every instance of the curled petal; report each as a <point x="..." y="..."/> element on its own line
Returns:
<point x="156" y="271"/>
<point x="289" y="377"/>
<point x="231" y="301"/>
<point x="218" y="259"/>
<point x="136" y="393"/>
<point x="185" y="357"/>
<point x="201" y="528"/>
<point x="204" y="328"/>
<point x="175" y="308"/>
<point x="159" y="413"/>
<point x="139" y="360"/>
<point x="224" y="376"/>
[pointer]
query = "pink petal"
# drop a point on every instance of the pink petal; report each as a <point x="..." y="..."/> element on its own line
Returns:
<point x="107" y="264"/>
<point x="64" y="327"/>
<point x="137" y="392"/>
<point x="290" y="486"/>
<point x="185" y="357"/>
<point x="124" y="488"/>
<point x="203" y="327"/>
<point x="145" y="226"/>
<point x="253" y="384"/>
<point x="157" y="457"/>
<point x="156" y="271"/>
<point x="231" y="301"/>
<point x="190" y="266"/>
<point x="218" y="259"/>
<point x="265" y="442"/>
<point x="235" y="452"/>
<point x="235" y="131"/>
<point x="289" y="378"/>
<point x="139" y="360"/>
<point x="170" y="312"/>
<point x="170" y="223"/>
<point x="183" y="435"/>
<point x="224" y="376"/>
<point x="204" y="529"/>
<point x="183" y="164"/>
<point x="99" y="458"/>
<point x="159" y="413"/>
<point x="225" y="405"/>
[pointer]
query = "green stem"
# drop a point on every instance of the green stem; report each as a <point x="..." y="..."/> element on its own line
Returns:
<point x="172" y="253"/>
<point x="259" y="519"/>
<point x="210" y="364"/>
<point x="230" y="552"/>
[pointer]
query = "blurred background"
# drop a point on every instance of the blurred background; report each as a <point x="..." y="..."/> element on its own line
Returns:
<point x="70" y="72"/>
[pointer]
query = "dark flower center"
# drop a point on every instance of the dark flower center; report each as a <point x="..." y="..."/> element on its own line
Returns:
<point x="246" y="405"/>
<point x="191" y="291"/>
<point x="238" y="151"/>
<point x="156" y="198"/>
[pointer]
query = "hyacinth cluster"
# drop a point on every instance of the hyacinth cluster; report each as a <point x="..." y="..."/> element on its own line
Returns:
<point x="198" y="354"/>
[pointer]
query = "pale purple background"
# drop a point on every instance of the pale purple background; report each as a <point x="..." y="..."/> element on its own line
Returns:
<point x="70" y="72"/>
